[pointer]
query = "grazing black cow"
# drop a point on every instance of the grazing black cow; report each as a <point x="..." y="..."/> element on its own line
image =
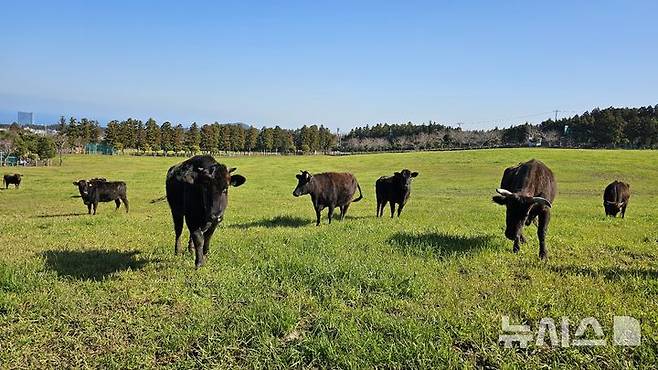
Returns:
<point x="328" y="190"/>
<point x="615" y="198"/>
<point x="527" y="190"/>
<point x="394" y="189"/>
<point x="12" y="179"/>
<point x="93" y="192"/>
<point x="82" y="186"/>
<point x="197" y="193"/>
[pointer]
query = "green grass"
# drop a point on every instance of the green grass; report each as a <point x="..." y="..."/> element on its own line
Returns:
<point x="426" y="290"/>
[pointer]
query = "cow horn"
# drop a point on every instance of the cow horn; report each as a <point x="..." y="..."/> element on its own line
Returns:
<point x="542" y="201"/>
<point x="503" y="192"/>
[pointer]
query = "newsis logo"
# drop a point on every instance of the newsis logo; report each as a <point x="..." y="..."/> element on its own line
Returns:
<point x="625" y="332"/>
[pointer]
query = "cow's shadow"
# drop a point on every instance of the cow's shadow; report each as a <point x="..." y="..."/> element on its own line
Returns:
<point x="278" y="221"/>
<point x="439" y="244"/>
<point x="61" y="215"/>
<point x="95" y="265"/>
<point x="608" y="273"/>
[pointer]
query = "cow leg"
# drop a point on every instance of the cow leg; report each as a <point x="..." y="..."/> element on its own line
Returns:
<point x="190" y="245"/>
<point x="317" y="215"/>
<point x="206" y="239"/>
<point x="623" y="211"/>
<point x="197" y="237"/>
<point x="517" y="242"/>
<point x="88" y="208"/>
<point x="331" y="212"/>
<point x="392" y="209"/>
<point x="118" y="203"/>
<point x="178" y="230"/>
<point x="544" y="219"/>
<point x="343" y="211"/>
<point x="400" y="208"/>
<point x="95" y="205"/>
<point x="124" y="199"/>
<point x="378" y="206"/>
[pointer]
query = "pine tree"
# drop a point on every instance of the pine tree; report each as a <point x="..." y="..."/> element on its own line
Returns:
<point x="208" y="139"/>
<point x="178" y="138"/>
<point x="193" y="139"/>
<point x="153" y="135"/>
<point x="251" y="139"/>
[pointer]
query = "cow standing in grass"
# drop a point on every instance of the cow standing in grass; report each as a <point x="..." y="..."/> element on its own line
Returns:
<point x="615" y="198"/>
<point x="197" y="193"/>
<point x="394" y="189"/>
<point x="94" y="192"/>
<point x="527" y="191"/>
<point x="328" y="190"/>
<point x="14" y="179"/>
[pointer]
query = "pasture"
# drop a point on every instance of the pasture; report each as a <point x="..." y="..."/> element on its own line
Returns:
<point x="426" y="290"/>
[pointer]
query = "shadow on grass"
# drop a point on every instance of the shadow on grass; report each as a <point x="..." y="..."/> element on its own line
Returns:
<point x="438" y="244"/>
<point x="608" y="273"/>
<point x="93" y="264"/>
<point x="61" y="215"/>
<point x="278" y="221"/>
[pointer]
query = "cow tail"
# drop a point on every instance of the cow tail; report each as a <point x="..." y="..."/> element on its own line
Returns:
<point x="158" y="199"/>
<point x="360" y="193"/>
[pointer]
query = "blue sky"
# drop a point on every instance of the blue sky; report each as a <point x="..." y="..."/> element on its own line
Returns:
<point x="341" y="64"/>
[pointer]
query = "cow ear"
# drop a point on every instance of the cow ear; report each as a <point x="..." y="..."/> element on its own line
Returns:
<point x="414" y="174"/>
<point x="499" y="199"/>
<point x="237" y="180"/>
<point x="298" y="176"/>
<point x="232" y="170"/>
<point x="76" y="183"/>
<point x="397" y="174"/>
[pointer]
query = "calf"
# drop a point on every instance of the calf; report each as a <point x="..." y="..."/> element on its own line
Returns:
<point x="394" y="189"/>
<point x="12" y="179"/>
<point x="104" y="191"/>
<point x="527" y="191"/>
<point x="328" y="190"/>
<point x="197" y="193"/>
<point x="615" y="198"/>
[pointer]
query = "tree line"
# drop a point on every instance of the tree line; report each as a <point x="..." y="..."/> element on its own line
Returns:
<point x="598" y="128"/>
<point x="212" y="138"/>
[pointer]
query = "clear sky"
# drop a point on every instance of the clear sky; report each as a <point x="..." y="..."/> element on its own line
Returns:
<point x="341" y="64"/>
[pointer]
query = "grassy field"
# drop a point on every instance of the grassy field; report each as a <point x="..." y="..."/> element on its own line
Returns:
<point x="426" y="290"/>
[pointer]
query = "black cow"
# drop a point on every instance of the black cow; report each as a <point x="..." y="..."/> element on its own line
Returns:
<point x="197" y="193"/>
<point x="394" y="189"/>
<point x="527" y="190"/>
<point x="12" y="179"/>
<point x="83" y="188"/>
<point x="328" y="190"/>
<point x="93" y="192"/>
<point x="615" y="198"/>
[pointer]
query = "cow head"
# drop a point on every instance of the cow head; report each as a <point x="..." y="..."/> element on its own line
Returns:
<point x="214" y="182"/>
<point x="404" y="177"/>
<point x="304" y="178"/>
<point x="83" y="187"/>
<point x="518" y="209"/>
